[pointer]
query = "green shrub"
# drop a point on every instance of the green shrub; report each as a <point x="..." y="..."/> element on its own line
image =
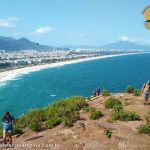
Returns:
<point x="96" y="114"/>
<point x="86" y="108"/>
<point x="22" y="122"/>
<point x="118" y="108"/>
<point x="66" y="109"/>
<point x="51" y="123"/>
<point x="144" y="129"/>
<point x="36" y="114"/>
<point x="124" y="116"/>
<point x="130" y="89"/>
<point x="111" y="102"/>
<point x="105" y="92"/>
<point x="70" y="117"/>
<point x="92" y="109"/>
<point x="136" y="93"/>
<point x="34" y="126"/>
<point x="17" y="130"/>
<point x="108" y="133"/>
<point x="82" y="125"/>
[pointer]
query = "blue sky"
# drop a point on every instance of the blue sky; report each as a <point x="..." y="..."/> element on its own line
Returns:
<point x="74" y="22"/>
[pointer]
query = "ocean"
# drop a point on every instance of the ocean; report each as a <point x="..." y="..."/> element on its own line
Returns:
<point x="39" y="88"/>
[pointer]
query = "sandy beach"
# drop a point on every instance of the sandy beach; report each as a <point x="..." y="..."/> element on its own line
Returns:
<point x="8" y="75"/>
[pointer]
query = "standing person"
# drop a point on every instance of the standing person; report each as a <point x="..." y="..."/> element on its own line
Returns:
<point x="7" y="121"/>
<point x="146" y="91"/>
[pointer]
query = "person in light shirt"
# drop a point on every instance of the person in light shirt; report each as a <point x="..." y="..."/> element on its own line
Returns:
<point x="146" y="91"/>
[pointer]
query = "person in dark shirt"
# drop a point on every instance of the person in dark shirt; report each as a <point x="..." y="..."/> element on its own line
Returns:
<point x="98" y="91"/>
<point x="7" y="122"/>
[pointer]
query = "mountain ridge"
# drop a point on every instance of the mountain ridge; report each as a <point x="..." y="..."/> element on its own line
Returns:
<point x="9" y="44"/>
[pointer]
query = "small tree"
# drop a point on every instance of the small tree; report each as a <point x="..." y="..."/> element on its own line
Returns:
<point x="130" y="89"/>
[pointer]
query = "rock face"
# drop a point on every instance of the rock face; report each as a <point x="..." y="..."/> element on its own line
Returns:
<point x="92" y="137"/>
<point x="107" y="125"/>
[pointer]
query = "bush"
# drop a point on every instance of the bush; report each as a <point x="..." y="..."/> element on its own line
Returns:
<point x="118" y="108"/>
<point x="36" y="114"/>
<point x="66" y="109"/>
<point x="82" y="125"/>
<point x="17" y="130"/>
<point x="108" y="133"/>
<point x="124" y="116"/>
<point x="96" y="114"/>
<point x="34" y="126"/>
<point x="51" y="123"/>
<point x="111" y="102"/>
<point x="130" y="89"/>
<point x="105" y="92"/>
<point x="136" y="93"/>
<point x="86" y="108"/>
<point x="70" y="117"/>
<point x="144" y="129"/>
<point x="22" y="122"/>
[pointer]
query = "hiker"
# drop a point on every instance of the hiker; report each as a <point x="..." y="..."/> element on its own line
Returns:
<point x="7" y="121"/>
<point x="98" y="91"/>
<point x="94" y="93"/>
<point x="146" y="91"/>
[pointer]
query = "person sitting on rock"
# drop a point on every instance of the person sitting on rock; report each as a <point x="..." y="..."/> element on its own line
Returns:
<point x="94" y="93"/>
<point x="98" y="91"/>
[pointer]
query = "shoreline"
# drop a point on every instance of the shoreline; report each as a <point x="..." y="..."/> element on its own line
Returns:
<point x="11" y="74"/>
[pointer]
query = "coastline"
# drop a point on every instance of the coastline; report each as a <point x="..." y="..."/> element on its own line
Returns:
<point x="11" y="74"/>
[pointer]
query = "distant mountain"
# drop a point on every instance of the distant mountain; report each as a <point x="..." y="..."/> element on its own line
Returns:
<point x="117" y="45"/>
<point x="126" y="45"/>
<point x="9" y="43"/>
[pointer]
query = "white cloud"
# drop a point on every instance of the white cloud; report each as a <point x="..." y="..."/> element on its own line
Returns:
<point x="124" y="38"/>
<point x="19" y="34"/>
<point x="133" y="39"/>
<point x="9" y="22"/>
<point x="43" y="30"/>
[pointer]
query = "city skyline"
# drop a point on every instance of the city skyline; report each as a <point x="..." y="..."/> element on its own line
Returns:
<point x="84" y="22"/>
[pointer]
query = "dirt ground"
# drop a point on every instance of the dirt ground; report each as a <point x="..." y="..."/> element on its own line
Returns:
<point x="124" y="134"/>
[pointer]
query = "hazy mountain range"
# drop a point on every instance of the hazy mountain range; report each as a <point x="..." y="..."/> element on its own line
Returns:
<point x="9" y="43"/>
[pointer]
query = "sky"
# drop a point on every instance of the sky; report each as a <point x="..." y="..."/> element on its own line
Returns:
<point x="74" y="22"/>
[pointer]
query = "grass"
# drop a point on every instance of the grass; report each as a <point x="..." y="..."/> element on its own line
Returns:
<point x="108" y="133"/>
<point x="51" y="123"/>
<point x="64" y="111"/>
<point x="144" y="129"/>
<point x="129" y="89"/>
<point x="118" y="111"/>
<point x="82" y="125"/>
<point x="136" y="93"/>
<point x="124" y="116"/>
<point x="105" y="92"/>
<point x="95" y="114"/>
<point x="111" y="102"/>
